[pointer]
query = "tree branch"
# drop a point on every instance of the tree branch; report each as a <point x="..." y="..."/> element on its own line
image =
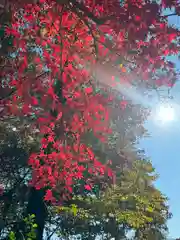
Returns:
<point x="89" y="14"/>
<point x="169" y="15"/>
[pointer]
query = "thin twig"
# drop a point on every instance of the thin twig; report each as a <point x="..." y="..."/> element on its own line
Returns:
<point x="169" y="15"/>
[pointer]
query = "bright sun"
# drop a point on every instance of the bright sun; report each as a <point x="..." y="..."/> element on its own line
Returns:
<point x="165" y="114"/>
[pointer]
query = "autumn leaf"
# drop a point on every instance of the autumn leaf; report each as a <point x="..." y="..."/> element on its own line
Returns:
<point x="49" y="196"/>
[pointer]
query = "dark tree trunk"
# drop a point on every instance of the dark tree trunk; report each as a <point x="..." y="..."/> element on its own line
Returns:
<point x="37" y="207"/>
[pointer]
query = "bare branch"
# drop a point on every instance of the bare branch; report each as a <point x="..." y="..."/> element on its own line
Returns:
<point x="169" y="15"/>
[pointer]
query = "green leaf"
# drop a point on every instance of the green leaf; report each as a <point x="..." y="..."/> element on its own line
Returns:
<point x="150" y="209"/>
<point x="12" y="236"/>
<point x="74" y="209"/>
<point x="34" y="225"/>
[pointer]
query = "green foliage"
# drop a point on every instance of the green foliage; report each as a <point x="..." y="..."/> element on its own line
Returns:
<point x="73" y="210"/>
<point x="30" y="229"/>
<point x="12" y="236"/>
<point x="133" y="203"/>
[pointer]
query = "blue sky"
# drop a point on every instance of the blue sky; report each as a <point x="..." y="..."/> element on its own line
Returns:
<point x="163" y="147"/>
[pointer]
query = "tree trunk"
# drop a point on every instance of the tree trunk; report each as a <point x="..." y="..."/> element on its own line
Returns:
<point x="37" y="207"/>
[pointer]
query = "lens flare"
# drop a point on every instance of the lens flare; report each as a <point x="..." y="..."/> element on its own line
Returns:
<point x="165" y="114"/>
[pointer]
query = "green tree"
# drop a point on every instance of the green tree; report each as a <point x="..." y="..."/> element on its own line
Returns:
<point x="17" y="141"/>
<point x="134" y="203"/>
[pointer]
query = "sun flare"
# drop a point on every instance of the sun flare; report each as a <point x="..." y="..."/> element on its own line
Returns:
<point x="165" y="114"/>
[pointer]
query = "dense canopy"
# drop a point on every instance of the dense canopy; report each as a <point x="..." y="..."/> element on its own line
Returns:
<point x="58" y="58"/>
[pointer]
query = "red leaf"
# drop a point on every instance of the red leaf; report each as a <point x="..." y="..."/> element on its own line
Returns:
<point x="79" y="175"/>
<point x="88" y="187"/>
<point x="69" y="189"/>
<point x="89" y="90"/>
<point x="34" y="101"/>
<point x="50" y="138"/>
<point x="81" y="168"/>
<point x="138" y="18"/>
<point x="49" y="196"/>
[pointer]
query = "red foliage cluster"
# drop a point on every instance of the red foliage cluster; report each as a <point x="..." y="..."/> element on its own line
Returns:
<point x="58" y="44"/>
